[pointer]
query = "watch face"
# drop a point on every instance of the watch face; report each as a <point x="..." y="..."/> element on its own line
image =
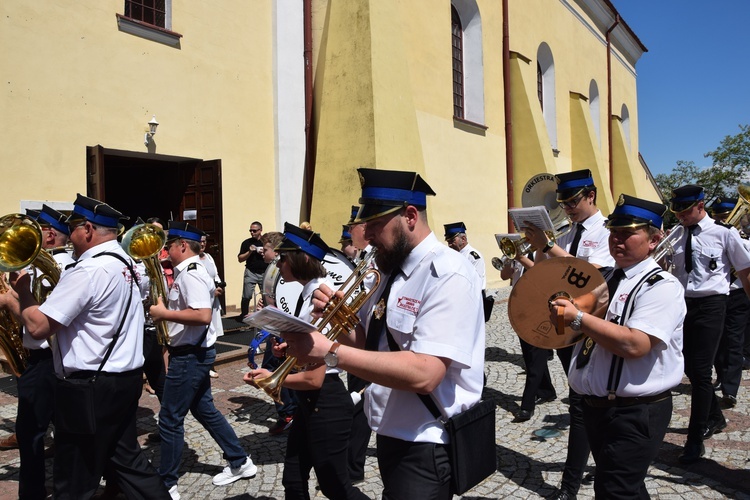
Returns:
<point x="331" y="360"/>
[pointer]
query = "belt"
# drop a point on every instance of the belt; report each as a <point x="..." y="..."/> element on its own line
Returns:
<point x="184" y="350"/>
<point x="736" y="291"/>
<point x="91" y="373"/>
<point x="39" y="354"/>
<point x="604" y="402"/>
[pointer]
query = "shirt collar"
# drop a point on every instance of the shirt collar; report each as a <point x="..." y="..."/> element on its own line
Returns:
<point x="418" y="253"/>
<point x="593" y="221"/>
<point x="637" y="268"/>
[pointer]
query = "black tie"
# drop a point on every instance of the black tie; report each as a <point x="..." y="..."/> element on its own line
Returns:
<point x="689" y="249"/>
<point x="375" y="329"/>
<point x="576" y="239"/>
<point x="588" y="343"/>
<point x="297" y="309"/>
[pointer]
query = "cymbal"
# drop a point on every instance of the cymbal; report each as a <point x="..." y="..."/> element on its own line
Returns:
<point x="528" y="305"/>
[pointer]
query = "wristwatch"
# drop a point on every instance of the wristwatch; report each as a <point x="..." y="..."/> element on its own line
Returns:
<point x="548" y="246"/>
<point x="576" y="325"/>
<point x="331" y="360"/>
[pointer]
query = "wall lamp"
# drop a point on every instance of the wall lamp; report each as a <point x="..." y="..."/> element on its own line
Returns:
<point x="151" y="130"/>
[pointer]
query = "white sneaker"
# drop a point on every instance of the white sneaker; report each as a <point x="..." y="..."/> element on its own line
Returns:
<point x="213" y="374"/>
<point x="230" y="475"/>
<point x="174" y="493"/>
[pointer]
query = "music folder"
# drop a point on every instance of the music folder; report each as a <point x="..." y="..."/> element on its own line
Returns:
<point x="276" y="321"/>
<point x="535" y="215"/>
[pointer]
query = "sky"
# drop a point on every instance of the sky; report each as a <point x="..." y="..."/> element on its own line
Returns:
<point x="694" y="81"/>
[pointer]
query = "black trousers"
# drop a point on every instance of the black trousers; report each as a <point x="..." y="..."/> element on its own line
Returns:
<point x="153" y="361"/>
<point x="728" y="362"/>
<point x="702" y="329"/>
<point x="80" y="460"/>
<point x="361" y="432"/>
<point x="319" y="439"/>
<point x="624" y="442"/>
<point x="413" y="470"/>
<point x="538" y="381"/>
<point x="578" y="443"/>
<point x="36" y="406"/>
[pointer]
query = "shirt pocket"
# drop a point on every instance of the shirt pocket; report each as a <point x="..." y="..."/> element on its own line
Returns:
<point x="709" y="258"/>
<point x="401" y="326"/>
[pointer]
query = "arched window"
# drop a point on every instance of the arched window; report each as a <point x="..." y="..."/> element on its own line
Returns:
<point x="625" y="115"/>
<point x="539" y="86"/>
<point x="458" y="64"/>
<point x="594" y="109"/>
<point x="468" y="64"/>
<point x="546" y="67"/>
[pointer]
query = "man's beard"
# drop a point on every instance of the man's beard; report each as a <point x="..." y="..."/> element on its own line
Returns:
<point x="390" y="259"/>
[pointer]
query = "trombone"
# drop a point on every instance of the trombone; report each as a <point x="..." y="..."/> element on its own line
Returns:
<point x="144" y="242"/>
<point x="340" y="316"/>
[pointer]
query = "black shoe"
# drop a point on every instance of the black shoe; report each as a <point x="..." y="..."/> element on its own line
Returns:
<point x="588" y="478"/>
<point x="746" y="363"/>
<point x="714" y="427"/>
<point x="693" y="452"/>
<point x="541" y="400"/>
<point x="154" y="437"/>
<point x="559" y="494"/>
<point x="523" y="415"/>
<point x="729" y="401"/>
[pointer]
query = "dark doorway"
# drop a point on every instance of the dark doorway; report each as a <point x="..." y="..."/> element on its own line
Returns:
<point x="169" y="187"/>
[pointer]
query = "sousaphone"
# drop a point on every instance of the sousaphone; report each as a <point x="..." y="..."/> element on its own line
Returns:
<point x="560" y="277"/>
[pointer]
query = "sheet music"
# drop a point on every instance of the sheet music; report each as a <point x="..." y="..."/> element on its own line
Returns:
<point x="277" y="321"/>
<point x="535" y="215"/>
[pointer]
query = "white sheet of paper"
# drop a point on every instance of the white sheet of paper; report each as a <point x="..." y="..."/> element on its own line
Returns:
<point x="535" y="215"/>
<point x="275" y="320"/>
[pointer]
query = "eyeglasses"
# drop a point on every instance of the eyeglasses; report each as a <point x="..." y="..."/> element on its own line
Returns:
<point x="571" y="203"/>
<point x="72" y="228"/>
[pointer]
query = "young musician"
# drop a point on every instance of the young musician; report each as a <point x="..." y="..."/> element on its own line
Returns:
<point x="319" y="438"/>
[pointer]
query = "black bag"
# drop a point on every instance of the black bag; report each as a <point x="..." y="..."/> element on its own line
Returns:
<point x="472" y="446"/>
<point x="488" y="302"/>
<point x="75" y="399"/>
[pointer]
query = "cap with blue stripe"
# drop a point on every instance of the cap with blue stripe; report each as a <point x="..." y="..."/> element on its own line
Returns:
<point x="53" y="218"/>
<point x="570" y="184"/>
<point x="183" y="230"/>
<point x="95" y="211"/>
<point x="296" y="238"/>
<point x="451" y="230"/>
<point x="632" y="212"/>
<point x="386" y="191"/>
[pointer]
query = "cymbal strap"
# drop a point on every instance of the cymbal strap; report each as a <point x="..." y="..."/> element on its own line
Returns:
<point x="560" y="320"/>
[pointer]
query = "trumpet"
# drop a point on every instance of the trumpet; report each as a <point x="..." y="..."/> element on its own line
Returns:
<point x="665" y="248"/>
<point x="144" y="242"/>
<point x="21" y="246"/>
<point x="513" y="248"/>
<point x="340" y="316"/>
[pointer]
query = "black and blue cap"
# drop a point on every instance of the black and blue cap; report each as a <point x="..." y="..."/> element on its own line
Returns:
<point x="345" y="234"/>
<point x="183" y="230"/>
<point x="451" y="230"/>
<point x="96" y="212"/>
<point x="684" y="197"/>
<point x="48" y="216"/>
<point x="296" y="238"/>
<point x="571" y="184"/>
<point x="386" y="191"/>
<point x="634" y="212"/>
<point x="33" y="213"/>
<point x="353" y="216"/>
<point x="722" y="206"/>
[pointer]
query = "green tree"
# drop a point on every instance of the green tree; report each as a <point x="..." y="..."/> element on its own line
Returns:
<point x="730" y="166"/>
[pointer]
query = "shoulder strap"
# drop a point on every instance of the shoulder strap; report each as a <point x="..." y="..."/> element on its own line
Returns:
<point x="426" y="399"/>
<point x="615" y="369"/>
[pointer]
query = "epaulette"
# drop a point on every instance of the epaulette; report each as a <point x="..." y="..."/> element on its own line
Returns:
<point x="654" y="279"/>
<point x="474" y="254"/>
<point x="724" y="224"/>
<point x="192" y="266"/>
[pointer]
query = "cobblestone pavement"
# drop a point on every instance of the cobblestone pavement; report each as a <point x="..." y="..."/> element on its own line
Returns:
<point x="528" y="466"/>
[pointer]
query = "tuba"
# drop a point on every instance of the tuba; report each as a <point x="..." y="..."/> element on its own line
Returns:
<point x="21" y="246"/>
<point x="339" y="316"/>
<point x="738" y="217"/>
<point x="144" y="242"/>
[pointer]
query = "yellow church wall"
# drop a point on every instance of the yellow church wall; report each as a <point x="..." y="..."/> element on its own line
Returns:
<point x="74" y="80"/>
